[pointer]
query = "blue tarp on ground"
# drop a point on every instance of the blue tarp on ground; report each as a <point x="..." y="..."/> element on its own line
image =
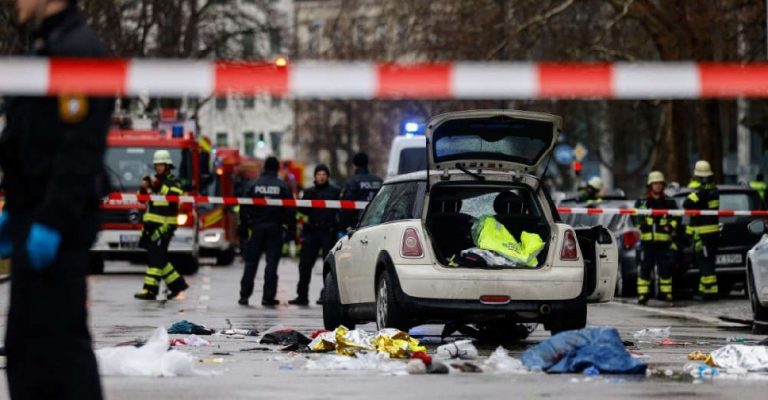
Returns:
<point x="574" y="351"/>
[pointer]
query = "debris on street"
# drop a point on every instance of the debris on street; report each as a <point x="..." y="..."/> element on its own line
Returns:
<point x="652" y="335"/>
<point x="741" y="357"/>
<point x="500" y="362"/>
<point x="191" y="341"/>
<point x="463" y="349"/>
<point x="393" y="342"/>
<point x="152" y="359"/>
<point x="185" y="327"/>
<point x="575" y="351"/>
<point x="284" y="336"/>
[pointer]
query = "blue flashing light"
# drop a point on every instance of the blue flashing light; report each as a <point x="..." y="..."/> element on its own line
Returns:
<point x="177" y="131"/>
<point x="411" y="127"/>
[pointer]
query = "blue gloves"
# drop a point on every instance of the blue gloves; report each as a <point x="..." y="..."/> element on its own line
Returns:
<point x="6" y="247"/>
<point x="42" y="246"/>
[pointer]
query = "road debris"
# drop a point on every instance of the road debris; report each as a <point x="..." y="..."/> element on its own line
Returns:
<point x="185" y="327"/>
<point x="463" y="349"/>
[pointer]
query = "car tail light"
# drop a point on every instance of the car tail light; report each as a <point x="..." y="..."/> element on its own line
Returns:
<point x="184" y="219"/>
<point x="630" y="239"/>
<point x="570" y="251"/>
<point x="411" y="244"/>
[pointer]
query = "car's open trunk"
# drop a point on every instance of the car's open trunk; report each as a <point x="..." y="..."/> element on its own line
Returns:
<point x="454" y="207"/>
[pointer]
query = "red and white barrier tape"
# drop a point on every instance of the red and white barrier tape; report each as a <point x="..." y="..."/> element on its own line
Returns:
<point x="337" y="204"/>
<point x="369" y="80"/>
<point x="359" y="205"/>
<point x="660" y="212"/>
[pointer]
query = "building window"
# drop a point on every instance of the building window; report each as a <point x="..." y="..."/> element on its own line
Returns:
<point x="315" y="30"/>
<point x="249" y="44"/>
<point x="275" y="138"/>
<point x="249" y="102"/>
<point x="275" y="102"/>
<point x="221" y="139"/>
<point x="221" y="103"/>
<point x="275" y="41"/>
<point x="250" y="143"/>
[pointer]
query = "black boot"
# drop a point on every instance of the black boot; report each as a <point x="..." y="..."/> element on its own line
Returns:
<point x="145" y="294"/>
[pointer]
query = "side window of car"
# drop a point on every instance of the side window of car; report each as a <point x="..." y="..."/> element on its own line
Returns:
<point x="375" y="211"/>
<point x="402" y="202"/>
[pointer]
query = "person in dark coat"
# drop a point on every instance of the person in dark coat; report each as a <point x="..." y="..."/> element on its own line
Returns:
<point x="51" y="152"/>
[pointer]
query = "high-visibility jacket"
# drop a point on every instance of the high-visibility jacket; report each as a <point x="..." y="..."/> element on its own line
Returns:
<point x="760" y="187"/>
<point x="706" y="197"/>
<point x="163" y="212"/>
<point x="658" y="228"/>
<point x="490" y="234"/>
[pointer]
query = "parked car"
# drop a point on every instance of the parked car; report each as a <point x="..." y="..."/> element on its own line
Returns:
<point x="757" y="277"/>
<point x="733" y="244"/>
<point x="395" y="268"/>
<point x="627" y="238"/>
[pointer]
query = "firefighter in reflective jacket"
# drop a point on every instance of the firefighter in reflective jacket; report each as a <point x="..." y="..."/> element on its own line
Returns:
<point x="160" y="222"/>
<point x="704" y="230"/>
<point x="656" y="234"/>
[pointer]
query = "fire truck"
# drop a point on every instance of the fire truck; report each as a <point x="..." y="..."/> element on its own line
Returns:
<point x="218" y="223"/>
<point x="128" y="159"/>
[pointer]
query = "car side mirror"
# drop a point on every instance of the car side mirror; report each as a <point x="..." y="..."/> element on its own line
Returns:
<point x="350" y="232"/>
<point x="756" y="227"/>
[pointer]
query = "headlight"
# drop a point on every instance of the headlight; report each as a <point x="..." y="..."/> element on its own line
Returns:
<point x="211" y="238"/>
<point x="182" y="219"/>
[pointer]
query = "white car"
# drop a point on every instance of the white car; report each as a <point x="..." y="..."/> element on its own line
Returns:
<point x="396" y="268"/>
<point x="757" y="278"/>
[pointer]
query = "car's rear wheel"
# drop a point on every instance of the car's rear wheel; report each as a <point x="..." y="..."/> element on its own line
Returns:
<point x="574" y="318"/>
<point x="334" y="314"/>
<point x="759" y="313"/>
<point x="388" y="312"/>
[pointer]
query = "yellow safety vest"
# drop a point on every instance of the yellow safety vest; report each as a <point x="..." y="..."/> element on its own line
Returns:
<point x="490" y="234"/>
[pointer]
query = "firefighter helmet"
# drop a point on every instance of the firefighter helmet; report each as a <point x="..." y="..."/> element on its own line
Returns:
<point x="702" y="169"/>
<point x="656" y="176"/>
<point x="595" y="183"/>
<point x="162" y="157"/>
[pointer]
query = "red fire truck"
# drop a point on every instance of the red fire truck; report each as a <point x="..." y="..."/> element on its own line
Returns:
<point x="218" y="223"/>
<point x="128" y="159"/>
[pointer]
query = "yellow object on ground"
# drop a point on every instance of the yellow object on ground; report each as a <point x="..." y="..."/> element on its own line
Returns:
<point x="395" y="343"/>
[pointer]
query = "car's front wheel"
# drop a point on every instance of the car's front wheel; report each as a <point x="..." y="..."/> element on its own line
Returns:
<point x="388" y="312"/>
<point x="334" y="314"/>
<point x="759" y="313"/>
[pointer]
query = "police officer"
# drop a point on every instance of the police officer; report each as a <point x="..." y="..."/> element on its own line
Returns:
<point x="51" y="151"/>
<point x="160" y="221"/>
<point x="319" y="232"/>
<point x="263" y="228"/>
<point x="362" y="186"/>
<point x="656" y="234"/>
<point x="704" y="230"/>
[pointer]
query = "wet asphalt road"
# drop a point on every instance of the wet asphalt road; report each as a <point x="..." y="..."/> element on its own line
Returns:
<point x="116" y="317"/>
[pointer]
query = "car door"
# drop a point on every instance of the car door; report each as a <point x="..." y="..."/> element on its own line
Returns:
<point x="354" y="261"/>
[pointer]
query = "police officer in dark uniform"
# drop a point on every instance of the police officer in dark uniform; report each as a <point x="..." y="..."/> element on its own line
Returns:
<point x="704" y="231"/>
<point x="160" y="221"/>
<point x="657" y="234"/>
<point x="362" y="186"/>
<point x="263" y="228"/>
<point x="51" y="152"/>
<point x="319" y="232"/>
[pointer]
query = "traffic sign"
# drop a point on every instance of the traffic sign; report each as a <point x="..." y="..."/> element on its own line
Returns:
<point x="580" y="152"/>
<point x="564" y="154"/>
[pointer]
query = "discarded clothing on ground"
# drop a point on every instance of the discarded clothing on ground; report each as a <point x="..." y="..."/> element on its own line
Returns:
<point x="463" y="349"/>
<point x="743" y="357"/>
<point x="187" y="328"/>
<point x="191" y="341"/>
<point x="152" y="359"/>
<point x="395" y="343"/>
<point x="285" y="337"/>
<point x="574" y="351"/>
<point x="490" y="234"/>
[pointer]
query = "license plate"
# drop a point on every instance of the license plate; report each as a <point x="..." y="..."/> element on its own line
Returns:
<point x="727" y="259"/>
<point x="129" y="241"/>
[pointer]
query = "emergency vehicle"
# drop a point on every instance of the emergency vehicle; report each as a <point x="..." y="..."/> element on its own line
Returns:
<point x="218" y="223"/>
<point x="128" y="159"/>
